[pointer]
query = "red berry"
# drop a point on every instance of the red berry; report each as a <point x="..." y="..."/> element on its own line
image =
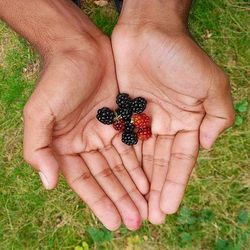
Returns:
<point x="119" y="125"/>
<point x="144" y="133"/>
<point x="141" y="120"/>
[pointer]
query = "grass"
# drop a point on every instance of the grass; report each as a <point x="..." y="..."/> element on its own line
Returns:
<point x="214" y="213"/>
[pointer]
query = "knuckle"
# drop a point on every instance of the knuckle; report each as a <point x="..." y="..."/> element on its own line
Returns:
<point x="183" y="156"/>
<point x="224" y="80"/>
<point x="231" y="119"/>
<point x="162" y="163"/>
<point x="106" y="148"/>
<point x="134" y="169"/>
<point x="28" y="111"/>
<point x="123" y="197"/>
<point x="119" y="168"/>
<point x="133" y="190"/>
<point x="174" y="182"/>
<point x="104" y="173"/>
<point x="148" y="158"/>
<point x="126" y="151"/>
<point x="27" y="157"/>
<point x="36" y="112"/>
<point x="83" y="177"/>
<point x="103" y="200"/>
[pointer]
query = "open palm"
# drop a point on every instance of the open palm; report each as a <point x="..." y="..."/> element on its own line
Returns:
<point x="189" y="102"/>
<point x="63" y="107"/>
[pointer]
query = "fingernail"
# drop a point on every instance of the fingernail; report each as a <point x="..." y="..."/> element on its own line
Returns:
<point x="44" y="180"/>
<point x="133" y="224"/>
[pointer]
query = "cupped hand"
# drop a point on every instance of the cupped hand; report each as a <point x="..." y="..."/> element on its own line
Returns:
<point x="61" y="132"/>
<point x="189" y="101"/>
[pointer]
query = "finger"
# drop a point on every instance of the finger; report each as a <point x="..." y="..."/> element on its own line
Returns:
<point x="162" y="153"/>
<point x="183" y="157"/>
<point x="138" y="152"/>
<point x="103" y="174"/>
<point x="131" y="163"/>
<point x="38" y="126"/>
<point x="219" y="113"/>
<point x="115" y="162"/>
<point x="82" y="182"/>
<point x="148" y="148"/>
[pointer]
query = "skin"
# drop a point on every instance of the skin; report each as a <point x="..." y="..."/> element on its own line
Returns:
<point x="61" y="132"/>
<point x="189" y="102"/>
<point x="188" y="95"/>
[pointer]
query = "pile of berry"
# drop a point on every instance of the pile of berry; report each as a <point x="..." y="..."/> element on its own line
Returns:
<point x="128" y="118"/>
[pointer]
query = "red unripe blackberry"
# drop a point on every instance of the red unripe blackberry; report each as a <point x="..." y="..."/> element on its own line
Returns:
<point x="144" y="133"/>
<point x="141" y="120"/>
<point x="119" y="125"/>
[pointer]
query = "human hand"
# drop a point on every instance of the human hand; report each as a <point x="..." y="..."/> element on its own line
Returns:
<point x="188" y="95"/>
<point x="61" y="132"/>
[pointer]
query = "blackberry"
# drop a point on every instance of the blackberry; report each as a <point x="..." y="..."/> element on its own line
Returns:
<point x="123" y="101"/>
<point x="126" y="114"/>
<point x="105" y="115"/>
<point x="129" y="138"/>
<point x="129" y="127"/>
<point x="138" y="105"/>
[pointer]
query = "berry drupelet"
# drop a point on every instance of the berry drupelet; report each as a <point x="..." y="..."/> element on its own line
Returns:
<point x="105" y="115"/>
<point x="138" y="105"/>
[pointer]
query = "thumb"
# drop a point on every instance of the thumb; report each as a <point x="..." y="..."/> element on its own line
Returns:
<point x="219" y="112"/>
<point x="38" y="125"/>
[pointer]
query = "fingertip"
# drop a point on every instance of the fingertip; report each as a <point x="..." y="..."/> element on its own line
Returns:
<point x="157" y="220"/>
<point x="155" y="215"/>
<point x="169" y="208"/>
<point x="206" y="142"/>
<point x="48" y="183"/>
<point x="171" y="197"/>
<point x="143" y="186"/>
<point x="133" y="223"/>
<point x="113" y="225"/>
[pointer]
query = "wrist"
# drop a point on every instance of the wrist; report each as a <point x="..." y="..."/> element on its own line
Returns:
<point x="50" y="26"/>
<point x="168" y="14"/>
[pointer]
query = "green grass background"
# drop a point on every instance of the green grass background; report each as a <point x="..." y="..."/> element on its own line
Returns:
<point x="214" y="213"/>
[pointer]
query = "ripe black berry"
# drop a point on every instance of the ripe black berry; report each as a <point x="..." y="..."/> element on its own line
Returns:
<point x="126" y="114"/>
<point x="123" y="101"/>
<point x="105" y="115"/>
<point x="138" y="105"/>
<point x="129" y="138"/>
<point x="129" y="127"/>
